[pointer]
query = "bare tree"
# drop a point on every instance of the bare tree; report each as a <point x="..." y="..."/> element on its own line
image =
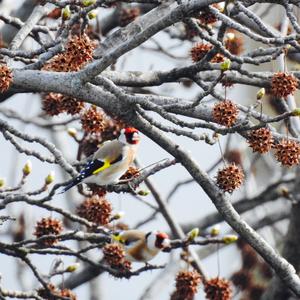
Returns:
<point x="232" y="83"/>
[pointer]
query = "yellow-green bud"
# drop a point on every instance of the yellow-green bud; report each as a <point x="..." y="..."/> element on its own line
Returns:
<point x="92" y="15"/>
<point x="27" y="168"/>
<point x="66" y="13"/>
<point x="143" y="192"/>
<point x="225" y="65"/>
<point x="88" y="2"/>
<point x="215" y="230"/>
<point x="72" y="268"/>
<point x="2" y="182"/>
<point x="119" y="215"/>
<point x="260" y="93"/>
<point x="229" y="239"/>
<point x="72" y="132"/>
<point x="193" y="234"/>
<point x="50" y="178"/>
<point x="296" y="112"/>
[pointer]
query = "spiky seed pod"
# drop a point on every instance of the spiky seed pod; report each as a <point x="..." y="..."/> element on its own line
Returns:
<point x="128" y="15"/>
<point x="114" y="255"/>
<point x="234" y="156"/>
<point x="227" y="83"/>
<point x="199" y="51"/>
<point x="287" y="152"/>
<point x="242" y="279"/>
<point x="218" y="289"/>
<point x="283" y="84"/>
<point x="190" y="32"/>
<point x="112" y="129"/>
<point x="80" y="48"/>
<point x="234" y="42"/>
<point x="230" y="178"/>
<point x="97" y="190"/>
<point x="131" y="173"/>
<point x="54" y="291"/>
<point x="52" y="104"/>
<point x="241" y="244"/>
<point x="67" y="294"/>
<point x="249" y="257"/>
<point x="72" y="105"/>
<point x="90" y="143"/>
<point x="218" y="58"/>
<point x="48" y="226"/>
<point x="78" y="51"/>
<point x="93" y="120"/>
<point x="255" y="292"/>
<point x="225" y="113"/>
<point x="260" y="140"/>
<point x="207" y="17"/>
<point x="187" y="283"/>
<point x="5" y="78"/>
<point x="266" y="271"/>
<point x="95" y="209"/>
<point x="42" y="292"/>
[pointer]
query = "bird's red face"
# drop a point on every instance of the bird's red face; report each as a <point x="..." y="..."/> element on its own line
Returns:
<point x="162" y="240"/>
<point x="132" y="135"/>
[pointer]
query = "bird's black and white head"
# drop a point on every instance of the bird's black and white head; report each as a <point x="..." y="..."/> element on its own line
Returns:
<point x="157" y="240"/>
<point x="129" y="135"/>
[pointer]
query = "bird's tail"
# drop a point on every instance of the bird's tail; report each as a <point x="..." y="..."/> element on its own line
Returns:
<point x="74" y="182"/>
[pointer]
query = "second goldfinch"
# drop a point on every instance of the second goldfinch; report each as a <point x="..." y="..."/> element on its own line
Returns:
<point x="111" y="161"/>
<point x="140" y="246"/>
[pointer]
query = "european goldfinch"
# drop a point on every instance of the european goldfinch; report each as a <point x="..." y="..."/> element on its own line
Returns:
<point x="140" y="246"/>
<point x="111" y="161"/>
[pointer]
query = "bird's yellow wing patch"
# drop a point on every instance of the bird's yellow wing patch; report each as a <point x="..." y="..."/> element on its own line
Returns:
<point x="105" y="166"/>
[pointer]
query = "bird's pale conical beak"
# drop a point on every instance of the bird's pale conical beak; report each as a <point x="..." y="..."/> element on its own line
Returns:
<point x="166" y="243"/>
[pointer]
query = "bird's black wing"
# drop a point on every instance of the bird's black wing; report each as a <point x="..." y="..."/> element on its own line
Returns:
<point x="89" y="169"/>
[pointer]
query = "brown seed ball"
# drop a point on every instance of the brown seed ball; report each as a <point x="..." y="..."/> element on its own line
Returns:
<point x="93" y="120"/>
<point x="114" y="254"/>
<point x="225" y="113"/>
<point x="95" y="209"/>
<point x="72" y="105"/>
<point x="199" y="51"/>
<point x="249" y="258"/>
<point x="5" y="78"/>
<point x="128" y="15"/>
<point x="78" y="51"/>
<point x="241" y="279"/>
<point x="206" y="17"/>
<point x="52" y="104"/>
<point x="131" y="173"/>
<point x="283" y="84"/>
<point x="234" y="156"/>
<point x="234" y="42"/>
<point x="260" y="140"/>
<point x="42" y="292"/>
<point x="255" y="292"/>
<point x="266" y="271"/>
<point x="187" y="283"/>
<point x="80" y="48"/>
<point x="48" y="226"/>
<point x="218" y="289"/>
<point x="288" y="152"/>
<point x="67" y="294"/>
<point x="230" y="178"/>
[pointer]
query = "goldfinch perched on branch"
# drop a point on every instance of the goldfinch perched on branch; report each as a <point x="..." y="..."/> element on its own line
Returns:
<point x="140" y="246"/>
<point x="111" y="161"/>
